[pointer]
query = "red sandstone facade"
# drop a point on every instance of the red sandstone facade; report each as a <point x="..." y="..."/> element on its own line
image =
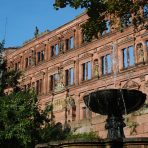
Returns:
<point x="62" y="68"/>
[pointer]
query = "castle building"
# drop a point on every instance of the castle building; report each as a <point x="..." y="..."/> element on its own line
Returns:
<point x="62" y="68"/>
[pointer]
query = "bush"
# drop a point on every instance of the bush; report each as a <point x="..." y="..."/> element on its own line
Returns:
<point x="85" y="136"/>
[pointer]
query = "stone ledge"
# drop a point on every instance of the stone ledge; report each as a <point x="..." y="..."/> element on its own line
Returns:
<point x="98" y="143"/>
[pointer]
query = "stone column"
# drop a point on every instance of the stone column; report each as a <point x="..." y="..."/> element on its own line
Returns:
<point x="46" y="81"/>
<point x="120" y="56"/>
<point x="46" y="52"/>
<point x="100" y="66"/>
<point x="77" y="98"/>
<point x="76" y="71"/>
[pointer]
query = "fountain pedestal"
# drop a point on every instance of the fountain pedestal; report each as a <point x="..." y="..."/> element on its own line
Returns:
<point x="115" y="127"/>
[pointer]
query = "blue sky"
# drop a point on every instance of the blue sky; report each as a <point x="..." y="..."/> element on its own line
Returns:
<point x="24" y="15"/>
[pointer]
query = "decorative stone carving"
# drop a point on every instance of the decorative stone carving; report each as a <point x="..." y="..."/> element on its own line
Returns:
<point x="130" y="84"/>
<point x="140" y="53"/>
<point x="70" y="105"/>
<point x="125" y="40"/>
<point x="58" y="104"/>
<point x="86" y="55"/>
<point x="69" y="62"/>
<point x="39" y="74"/>
<point x="96" y="71"/>
<point x="61" y="46"/>
<point x="60" y="85"/>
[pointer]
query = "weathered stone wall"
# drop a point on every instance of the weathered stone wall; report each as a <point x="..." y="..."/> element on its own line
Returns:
<point x="113" y="43"/>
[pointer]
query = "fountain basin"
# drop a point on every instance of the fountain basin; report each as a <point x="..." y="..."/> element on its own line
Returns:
<point x="114" y="101"/>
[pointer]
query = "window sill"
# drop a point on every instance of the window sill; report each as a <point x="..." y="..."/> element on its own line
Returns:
<point x="40" y="62"/>
<point x="107" y="74"/>
<point x="127" y="68"/>
<point x="83" y="81"/>
<point x="140" y="63"/>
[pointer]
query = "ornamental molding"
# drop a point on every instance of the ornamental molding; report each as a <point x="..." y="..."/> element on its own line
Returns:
<point x="125" y="40"/>
<point x="105" y="47"/>
<point x="39" y="74"/>
<point x="86" y="55"/>
<point x="53" y="69"/>
<point x="67" y="63"/>
<point x="130" y="84"/>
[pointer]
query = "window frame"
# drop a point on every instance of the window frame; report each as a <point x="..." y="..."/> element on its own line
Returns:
<point x="106" y="67"/>
<point x="86" y="74"/>
<point x="128" y="57"/>
<point x="69" y="76"/>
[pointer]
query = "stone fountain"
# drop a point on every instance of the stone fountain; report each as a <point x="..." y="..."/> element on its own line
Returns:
<point x="115" y="103"/>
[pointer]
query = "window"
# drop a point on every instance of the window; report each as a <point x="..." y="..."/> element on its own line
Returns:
<point x="40" y="56"/>
<point x="86" y="71"/>
<point x="145" y="11"/>
<point x="57" y="49"/>
<point x="54" y="79"/>
<point x="17" y="66"/>
<point x="128" y="57"/>
<point x="106" y="64"/>
<point x="70" y="43"/>
<point x="54" y="50"/>
<point x="107" y="28"/>
<point x="69" y="76"/>
<point x="147" y="45"/>
<point x="39" y="86"/>
<point x="28" y="62"/>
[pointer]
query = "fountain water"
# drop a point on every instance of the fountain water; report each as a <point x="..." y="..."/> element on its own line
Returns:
<point x="108" y="102"/>
<point x="115" y="103"/>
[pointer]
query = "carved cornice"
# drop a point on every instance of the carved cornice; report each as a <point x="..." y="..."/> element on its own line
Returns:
<point x="53" y="39"/>
<point x="68" y="31"/>
<point x="40" y="46"/>
<point x="39" y="74"/>
<point x="85" y="56"/>
<point x="125" y="40"/>
<point x="53" y="69"/>
<point x="105" y="47"/>
<point x="70" y="62"/>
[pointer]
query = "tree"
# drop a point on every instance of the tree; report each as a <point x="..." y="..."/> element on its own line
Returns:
<point x="118" y="12"/>
<point x="21" y="122"/>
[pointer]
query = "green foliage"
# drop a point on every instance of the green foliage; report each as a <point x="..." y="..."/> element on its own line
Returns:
<point x="100" y="10"/>
<point x="86" y="136"/>
<point x="19" y="119"/>
<point x="21" y="122"/>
